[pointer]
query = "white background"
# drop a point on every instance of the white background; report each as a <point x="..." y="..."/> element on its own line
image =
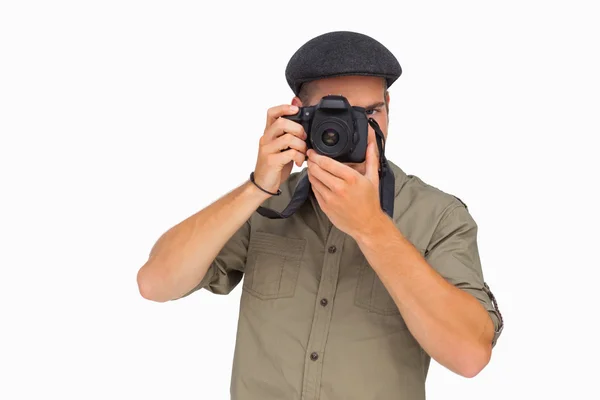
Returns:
<point x="121" y="118"/>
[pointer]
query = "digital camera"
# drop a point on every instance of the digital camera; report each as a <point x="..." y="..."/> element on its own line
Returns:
<point x="335" y="129"/>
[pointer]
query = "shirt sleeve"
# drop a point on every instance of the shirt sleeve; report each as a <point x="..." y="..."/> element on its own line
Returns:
<point x="453" y="253"/>
<point x="227" y="269"/>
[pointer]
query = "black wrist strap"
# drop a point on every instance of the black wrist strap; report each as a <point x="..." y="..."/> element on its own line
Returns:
<point x="266" y="191"/>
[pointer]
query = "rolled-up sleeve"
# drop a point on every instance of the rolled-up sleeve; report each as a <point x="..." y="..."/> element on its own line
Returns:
<point x="453" y="253"/>
<point x="227" y="269"/>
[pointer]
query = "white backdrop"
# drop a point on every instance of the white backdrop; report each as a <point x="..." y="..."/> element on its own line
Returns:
<point x="121" y="118"/>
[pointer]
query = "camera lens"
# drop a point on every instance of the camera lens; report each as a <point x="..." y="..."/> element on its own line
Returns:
<point x="330" y="137"/>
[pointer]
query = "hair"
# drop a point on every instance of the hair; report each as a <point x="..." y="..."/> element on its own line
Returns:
<point x="306" y="92"/>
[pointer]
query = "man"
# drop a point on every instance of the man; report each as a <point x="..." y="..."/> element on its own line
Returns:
<point x="340" y="300"/>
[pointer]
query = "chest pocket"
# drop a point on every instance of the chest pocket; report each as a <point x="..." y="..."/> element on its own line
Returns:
<point x="373" y="296"/>
<point x="272" y="265"/>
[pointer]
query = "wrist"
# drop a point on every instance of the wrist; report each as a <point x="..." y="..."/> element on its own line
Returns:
<point x="269" y="192"/>
<point x="372" y="229"/>
<point x="254" y="193"/>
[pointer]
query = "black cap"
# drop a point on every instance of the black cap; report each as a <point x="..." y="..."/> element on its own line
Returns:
<point x="341" y="53"/>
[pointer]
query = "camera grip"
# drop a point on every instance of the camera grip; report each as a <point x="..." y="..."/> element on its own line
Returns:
<point x="302" y="117"/>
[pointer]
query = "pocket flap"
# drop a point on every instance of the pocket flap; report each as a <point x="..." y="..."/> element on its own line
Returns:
<point x="264" y="242"/>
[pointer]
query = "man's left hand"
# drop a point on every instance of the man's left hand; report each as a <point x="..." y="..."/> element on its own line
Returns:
<point x="350" y="199"/>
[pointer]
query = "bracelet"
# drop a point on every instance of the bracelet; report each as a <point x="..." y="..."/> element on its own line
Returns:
<point x="272" y="194"/>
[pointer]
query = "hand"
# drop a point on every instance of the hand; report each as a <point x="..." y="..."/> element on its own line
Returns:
<point x="349" y="198"/>
<point x="282" y="144"/>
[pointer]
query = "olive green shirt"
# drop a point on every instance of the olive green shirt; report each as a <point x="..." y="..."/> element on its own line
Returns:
<point x="315" y="320"/>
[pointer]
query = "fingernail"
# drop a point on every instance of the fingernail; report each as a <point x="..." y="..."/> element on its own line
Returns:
<point x="293" y="109"/>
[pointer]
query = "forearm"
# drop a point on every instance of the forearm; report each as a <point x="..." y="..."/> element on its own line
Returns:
<point x="182" y="255"/>
<point x="450" y="325"/>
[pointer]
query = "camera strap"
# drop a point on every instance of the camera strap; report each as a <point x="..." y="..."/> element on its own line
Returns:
<point x="386" y="185"/>
<point x="387" y="181"/>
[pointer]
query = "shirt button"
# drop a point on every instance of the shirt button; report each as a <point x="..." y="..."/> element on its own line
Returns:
<point x="314" y="356"/>
<point x="332" y="249"/>
<point x="323" y="302"/>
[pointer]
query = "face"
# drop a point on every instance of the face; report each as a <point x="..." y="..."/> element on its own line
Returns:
<point x="362" y="91"/>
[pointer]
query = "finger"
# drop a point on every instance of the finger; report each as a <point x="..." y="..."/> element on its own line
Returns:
<point x="332" y="166"/>
<point x="331" y="182"/>
<point x="282" y="158"/>
<point x="372" y="163"/>
<point x="299" y="159"/>
<point x="274" y="113"/>
<point x="372" y="138"/>
<point x="321" y="192"/>
<point x="285" y="142"/>
<point x="281" y="127"/>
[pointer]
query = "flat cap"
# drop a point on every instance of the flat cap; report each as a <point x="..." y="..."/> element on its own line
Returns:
<point x="341" y="53"/>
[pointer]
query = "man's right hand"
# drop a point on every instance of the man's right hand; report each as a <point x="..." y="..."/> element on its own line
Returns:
<point x="281" y="145"/>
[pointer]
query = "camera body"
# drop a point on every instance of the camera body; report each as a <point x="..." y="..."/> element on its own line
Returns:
<point x="335" y="129"/>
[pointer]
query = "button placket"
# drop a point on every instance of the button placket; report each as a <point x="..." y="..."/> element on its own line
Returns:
<point x="322" y="316"/>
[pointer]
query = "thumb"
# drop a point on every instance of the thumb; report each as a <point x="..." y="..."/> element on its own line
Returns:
<point x="372" y="167"/>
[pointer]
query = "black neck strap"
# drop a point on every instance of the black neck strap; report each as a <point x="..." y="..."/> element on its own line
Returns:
<point x="387" y="181"/>
<point x="298" y="198"/>
<point x="386" y="185"/>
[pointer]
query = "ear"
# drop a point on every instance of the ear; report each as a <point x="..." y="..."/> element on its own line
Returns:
<point x="296" y="101"/>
